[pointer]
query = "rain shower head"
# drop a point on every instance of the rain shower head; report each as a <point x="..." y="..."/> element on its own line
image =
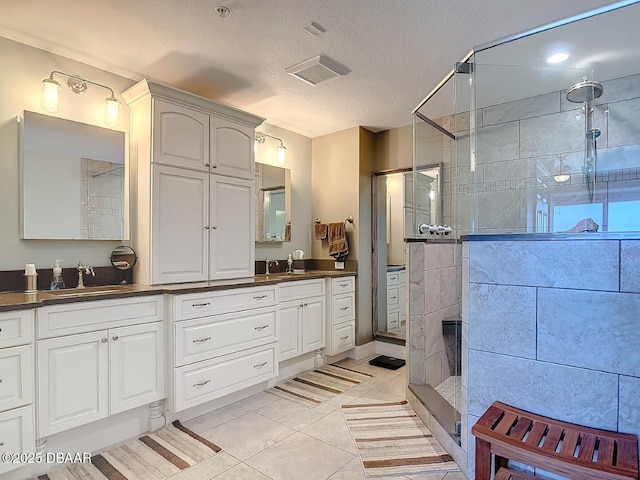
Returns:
<point x="584" y="91"/>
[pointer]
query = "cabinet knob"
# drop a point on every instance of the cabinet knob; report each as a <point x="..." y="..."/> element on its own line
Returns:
<point x="305" y="304"/>
<point x="206" y="164"/>
<point x="259" y="365"/>
<point x="104" y="340"/>
<point x="214" y="166"/>
<point x="115" y="338"/>
<point x="206" y="227"/>
<point x="214" y="227"/>
<point x="301" y="305"/>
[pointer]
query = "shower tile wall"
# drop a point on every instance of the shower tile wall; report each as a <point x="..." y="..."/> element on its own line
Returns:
<point x="434" y="271"/>
<point x="519" y="146"/>
<point x="552" y="327"/>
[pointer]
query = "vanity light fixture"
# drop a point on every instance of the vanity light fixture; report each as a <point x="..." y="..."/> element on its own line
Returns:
<point x="563" y="175"/>
<point x="282" y="150"/>
<point x="50" y="95"/>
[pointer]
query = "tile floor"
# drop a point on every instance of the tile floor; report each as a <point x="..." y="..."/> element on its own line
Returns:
<point x="265" y="437"/>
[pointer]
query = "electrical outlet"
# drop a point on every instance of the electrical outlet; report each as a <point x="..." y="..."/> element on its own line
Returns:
<point x="339" y="265"/>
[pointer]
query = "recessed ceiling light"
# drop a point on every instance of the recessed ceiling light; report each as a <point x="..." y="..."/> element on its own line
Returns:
<point x="557" y="57"/>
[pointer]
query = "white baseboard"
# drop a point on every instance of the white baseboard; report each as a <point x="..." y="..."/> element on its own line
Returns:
<point x="362" y="351"/>
<point x="391" y="350"/>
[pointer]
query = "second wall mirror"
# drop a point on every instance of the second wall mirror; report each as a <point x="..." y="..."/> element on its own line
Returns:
<point x="273" y="203"/>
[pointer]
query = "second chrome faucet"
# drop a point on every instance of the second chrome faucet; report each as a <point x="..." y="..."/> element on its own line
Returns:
<point x="268" y="265"/>
<point x="87" y="270"/>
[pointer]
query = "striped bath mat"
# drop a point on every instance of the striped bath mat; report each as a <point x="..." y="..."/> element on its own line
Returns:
<point x="316" y="386"/>
<point x="392" y="440"/>
<point x="155" y="456"/>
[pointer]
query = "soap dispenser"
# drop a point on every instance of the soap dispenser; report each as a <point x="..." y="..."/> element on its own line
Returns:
<point x="57" y="283"/>
<point x="289" y="264"/>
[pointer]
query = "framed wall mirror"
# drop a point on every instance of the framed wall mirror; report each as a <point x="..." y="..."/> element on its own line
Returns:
<point x="72" y="180"/>
<point x="273" y="204"/>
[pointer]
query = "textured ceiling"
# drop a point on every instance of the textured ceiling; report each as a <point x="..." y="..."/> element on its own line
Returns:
<point x="396" y="50"/>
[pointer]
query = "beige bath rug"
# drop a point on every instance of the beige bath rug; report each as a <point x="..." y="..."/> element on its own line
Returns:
<point x="392" y="440"/>
<point x="313" y="387"/>
<point x="155" y="456"/>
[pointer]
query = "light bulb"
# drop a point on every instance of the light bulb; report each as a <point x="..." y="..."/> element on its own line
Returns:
<point x="111" y="111"/>
<point x="49" y="95"/>
<point x="282" y="154"/>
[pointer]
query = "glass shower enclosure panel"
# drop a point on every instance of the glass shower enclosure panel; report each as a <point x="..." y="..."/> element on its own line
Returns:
<point x="538" y="134"/>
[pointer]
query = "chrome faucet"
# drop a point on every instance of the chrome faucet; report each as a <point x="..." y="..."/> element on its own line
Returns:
<point x="268" y="265"/>
<point x="87" y="270"/>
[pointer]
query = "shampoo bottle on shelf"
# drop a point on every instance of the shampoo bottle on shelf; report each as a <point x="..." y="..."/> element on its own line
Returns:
<point x="57" y="283"/>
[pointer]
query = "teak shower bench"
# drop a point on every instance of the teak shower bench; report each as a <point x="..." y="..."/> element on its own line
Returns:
<point x="573" y="451"/>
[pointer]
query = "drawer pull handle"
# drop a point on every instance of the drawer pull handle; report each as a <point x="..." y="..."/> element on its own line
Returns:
<point x="258" y="366"/>
<point x="201" y="383"/>
<point x="198" y="305"/>
<point x="344" y="308"/>
<point x="104" y="340"/>
<point x="260" y="297"/>
<point x="200" y="340"/>
<point x="115" y="338"/>
<point x="344" y="284"/>
<point x="344" y="338"/>
<point x="259" y="328"/>
<point x="393" y="298"/>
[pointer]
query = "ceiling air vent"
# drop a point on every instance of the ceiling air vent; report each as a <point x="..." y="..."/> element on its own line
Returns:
<point x="316" y="70"/>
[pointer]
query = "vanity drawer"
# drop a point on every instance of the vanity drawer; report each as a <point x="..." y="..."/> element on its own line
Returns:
<point x="17" y="434"/>
<point x="301" y="289"/>
<point x="393" y="278"/>
<point x="343" y="284"/>
<point x="83" y="317"/>
<point x="344" y="308"/>
<point x="393" y="320"/>
<point x="16" y="377"/>
<point x="209" y="337"/>
<point x="195" y="305"/>
<point x="393" y="297"/>
<point x="204" y="381"/>
<point x="16" y="328"/>
<point x="343" y="337"/>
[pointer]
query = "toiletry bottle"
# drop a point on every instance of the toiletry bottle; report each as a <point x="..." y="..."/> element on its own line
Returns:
<point x="289" y="264"/>
<point x="57" y="283"/>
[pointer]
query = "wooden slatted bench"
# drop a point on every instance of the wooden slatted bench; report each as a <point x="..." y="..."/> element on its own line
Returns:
<point x="573" y="451"/>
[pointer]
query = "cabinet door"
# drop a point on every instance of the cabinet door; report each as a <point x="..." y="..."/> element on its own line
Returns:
<point x="17" y="434"/>
<point x="232" y="149"/>
<point x="180" y="238"/>
<point x="136" y="366"/>
<point x="313" y="324"/>
<point x="232" y="232"/>
<point x="180" y="136"/>
<point x="16" y="377"/>
<point x="290" y="326"/>
<point x="73" y="375"/>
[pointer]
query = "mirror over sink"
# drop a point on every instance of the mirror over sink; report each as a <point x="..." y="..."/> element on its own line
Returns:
<point x="273" y="204"/>
<point x="72" y="180"/>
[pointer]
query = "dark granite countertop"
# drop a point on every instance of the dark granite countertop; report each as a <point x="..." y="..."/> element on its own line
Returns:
<point x="20" y="300"/>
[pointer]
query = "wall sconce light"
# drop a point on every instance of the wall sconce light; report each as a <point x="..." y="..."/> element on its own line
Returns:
<point x="282" y="150"/>
<point x="563" y="175"/>
<point x="50" y="95"/>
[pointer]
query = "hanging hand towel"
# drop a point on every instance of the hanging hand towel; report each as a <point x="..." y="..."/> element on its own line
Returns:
<point x="319" y="231"/>
<point x="338" y="247"/>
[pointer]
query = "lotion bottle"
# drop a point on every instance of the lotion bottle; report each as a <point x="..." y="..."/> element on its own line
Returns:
<point x="57" y="283"/>
<point x="289" y="264"/>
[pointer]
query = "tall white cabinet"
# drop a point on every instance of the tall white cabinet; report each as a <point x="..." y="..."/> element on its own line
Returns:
<point x="193" y="188"/>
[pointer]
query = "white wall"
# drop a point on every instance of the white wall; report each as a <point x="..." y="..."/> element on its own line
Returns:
<point x="22" y="69"/>
<point x="299" y="162"/>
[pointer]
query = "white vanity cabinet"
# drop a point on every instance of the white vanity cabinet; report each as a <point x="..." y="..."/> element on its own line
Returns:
<point x="302" y="317"/>
<point x="17" y="432"/>
<point x="223" y="341"/>
<point x="193" y="186"/>
<point x="396" y="301"/>
<point x="96" y="359"/>
<point x="341" y="327"/>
